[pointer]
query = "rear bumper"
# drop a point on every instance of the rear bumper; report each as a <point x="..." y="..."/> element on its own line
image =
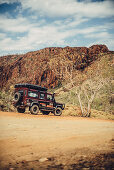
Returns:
<point x="21" y="105"/>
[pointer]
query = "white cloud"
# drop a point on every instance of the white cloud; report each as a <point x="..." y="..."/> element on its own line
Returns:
<point x="69" y="22"/>
<point x="8" y="1"/>
<point x="14" y="25"/>
<point x="2" y="35"/>
<point x="37" y="34"/>
<point x="43" y="33"/>
<point x="98" y="35"/>
<point x="46" y="35"/>
<point x="65" y="8"/>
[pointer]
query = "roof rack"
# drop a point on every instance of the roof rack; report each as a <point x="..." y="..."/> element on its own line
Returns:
<point x="31" y="86"/>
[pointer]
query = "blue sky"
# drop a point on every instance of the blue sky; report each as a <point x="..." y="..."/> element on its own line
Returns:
<point x="29" y="25"/>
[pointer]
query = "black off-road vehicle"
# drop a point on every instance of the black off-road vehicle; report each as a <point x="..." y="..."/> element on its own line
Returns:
<point x="37" y="99"/>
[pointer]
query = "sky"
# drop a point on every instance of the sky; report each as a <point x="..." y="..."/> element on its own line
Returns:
<point x="30" y="25"/>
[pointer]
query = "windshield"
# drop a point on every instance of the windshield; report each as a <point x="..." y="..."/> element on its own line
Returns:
<point x="49" y="97"/>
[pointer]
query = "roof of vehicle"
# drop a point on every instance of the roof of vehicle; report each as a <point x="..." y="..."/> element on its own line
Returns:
<point x="31" y="86"/>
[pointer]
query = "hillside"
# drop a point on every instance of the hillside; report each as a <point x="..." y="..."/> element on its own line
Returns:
<point x="34" y="67"/>
<point x="104" y="100"/>
<point x="42" y="68"/>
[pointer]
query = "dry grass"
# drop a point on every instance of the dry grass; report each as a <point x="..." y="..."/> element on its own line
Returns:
<point x="72" y="110"/>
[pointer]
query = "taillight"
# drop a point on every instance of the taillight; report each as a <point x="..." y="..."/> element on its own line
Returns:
<point x="25" y="101"/>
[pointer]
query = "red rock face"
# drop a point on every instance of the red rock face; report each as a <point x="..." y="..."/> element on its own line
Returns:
<point x="34" y="67"/>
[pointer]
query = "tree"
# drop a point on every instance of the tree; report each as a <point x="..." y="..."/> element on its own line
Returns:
<point x="87" y="91"/>
<point x="85" y="88"/>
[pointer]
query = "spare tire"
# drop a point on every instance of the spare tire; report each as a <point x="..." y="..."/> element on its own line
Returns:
<point x="17" y="97"/>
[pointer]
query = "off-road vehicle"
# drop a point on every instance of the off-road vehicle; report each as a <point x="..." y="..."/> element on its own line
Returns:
<point x="37" y="99"/>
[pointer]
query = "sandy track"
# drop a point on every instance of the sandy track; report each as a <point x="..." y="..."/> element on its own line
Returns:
<point x="64" y="141"/>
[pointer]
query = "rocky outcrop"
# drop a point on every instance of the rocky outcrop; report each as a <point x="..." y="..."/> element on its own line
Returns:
<point x="34" y="67"/>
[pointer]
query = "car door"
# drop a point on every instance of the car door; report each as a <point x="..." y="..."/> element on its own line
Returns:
<point x="49" y="101"/>
<point x="42" y="100"/>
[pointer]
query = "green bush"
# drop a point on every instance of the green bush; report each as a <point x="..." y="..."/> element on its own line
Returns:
<point x="6" y="98"/>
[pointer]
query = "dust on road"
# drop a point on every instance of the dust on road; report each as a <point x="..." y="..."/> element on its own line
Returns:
<point x="60" y="142"/>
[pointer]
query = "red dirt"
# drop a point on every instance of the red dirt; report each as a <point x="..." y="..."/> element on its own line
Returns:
<point x="65" y="142"/>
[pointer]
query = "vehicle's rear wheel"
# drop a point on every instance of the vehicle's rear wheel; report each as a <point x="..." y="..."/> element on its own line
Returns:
<point x="58" y="111"/>
<point x="17" y="97"/>
<point x="45" y="112"/>
<point x="34" y="109"/>
<point x="21" y="110"/>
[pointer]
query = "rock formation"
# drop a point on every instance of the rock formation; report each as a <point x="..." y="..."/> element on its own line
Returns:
<point x="34" y="67"/>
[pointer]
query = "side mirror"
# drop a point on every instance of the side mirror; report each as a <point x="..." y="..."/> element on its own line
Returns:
<point x="53" y="96"/>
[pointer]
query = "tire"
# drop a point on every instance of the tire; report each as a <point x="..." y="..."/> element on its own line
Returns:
<point x="17" y="97"/>
<point x="21" y="110"/>
<point x="58" y="111"/>
<point x="34" y="109"/>
<point x="45" y="112"/>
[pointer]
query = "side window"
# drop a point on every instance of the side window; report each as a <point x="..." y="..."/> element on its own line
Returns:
<point x="20" y="91"/>
<point x="49" y="97"/>
<point x="42" y="95"/>
<point x="32" y="94"/>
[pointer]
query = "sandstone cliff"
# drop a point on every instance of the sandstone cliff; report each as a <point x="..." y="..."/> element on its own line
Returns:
<point x="34" y="67"/>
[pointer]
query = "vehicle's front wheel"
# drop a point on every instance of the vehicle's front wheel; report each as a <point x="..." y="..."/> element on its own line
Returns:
<point x="34" y="109"/>
<point x="21" y="110"/>
<point x="58" y="111"/>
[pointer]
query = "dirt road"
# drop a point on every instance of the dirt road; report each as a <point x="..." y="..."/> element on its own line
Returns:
<point x="49" y="142"/>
